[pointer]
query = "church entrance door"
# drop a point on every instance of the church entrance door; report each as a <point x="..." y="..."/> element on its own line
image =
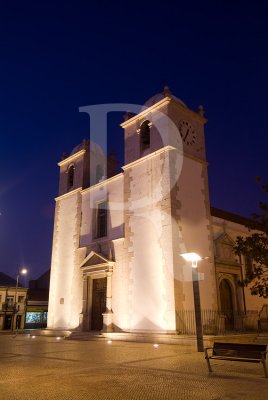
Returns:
<point x="98" y="303"/>
<point x="227" y="304"/>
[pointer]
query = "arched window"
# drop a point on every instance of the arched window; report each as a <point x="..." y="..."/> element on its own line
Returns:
<point x="99" y="173"/>
<point x="145" y="135"/>
<point x="70" y="176"/>
<point x="101" y="219"/>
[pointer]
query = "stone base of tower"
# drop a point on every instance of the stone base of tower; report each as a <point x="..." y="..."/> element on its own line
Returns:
<point x="49" y="332"/>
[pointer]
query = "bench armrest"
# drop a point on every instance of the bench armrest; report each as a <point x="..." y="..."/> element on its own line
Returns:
<point x="263" y="353"/>
<point x="206" y="351"/>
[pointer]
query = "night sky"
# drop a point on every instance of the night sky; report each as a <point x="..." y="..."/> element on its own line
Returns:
<point x="56" y="57"/>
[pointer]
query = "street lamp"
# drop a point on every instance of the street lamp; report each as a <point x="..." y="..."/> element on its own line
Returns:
<point x="194" y="258"/>
<point x="22" y="271"/>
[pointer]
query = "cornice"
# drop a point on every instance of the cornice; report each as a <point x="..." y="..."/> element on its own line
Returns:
<point x="103" y="183"/>
<point x="160" y="103"/>
<point x="148" y="156"/>
<point x="162" y="150"/>
<point x="71" y="158"/>
<point x="63" y="196"/>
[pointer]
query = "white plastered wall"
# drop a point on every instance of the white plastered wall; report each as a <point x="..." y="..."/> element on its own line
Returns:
<point x="112" y="192"/>
<point x="151" y="289"/>
<point x="65" y="300"/>
<point x="195" y="235"/>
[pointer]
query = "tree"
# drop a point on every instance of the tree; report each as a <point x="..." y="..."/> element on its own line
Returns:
<point x="255" y="248"/>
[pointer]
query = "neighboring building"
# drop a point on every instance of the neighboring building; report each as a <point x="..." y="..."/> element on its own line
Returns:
<point x="37" y="303"/>
<point x="116" y="263"/>
<point x="12" y="303"/>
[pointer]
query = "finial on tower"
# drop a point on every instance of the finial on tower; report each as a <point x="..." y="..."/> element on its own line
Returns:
<point x="128" y="115"/>
<point x="85" y="143"/>
<point x="167" y="91"/>
<point x="201" y="111"/>
<point x="64" y="155"/>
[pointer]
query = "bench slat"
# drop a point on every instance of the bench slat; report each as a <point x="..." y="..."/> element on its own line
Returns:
<point x="238" y="350"/>
<point x="242" y="352"/>
<point x="237" y="353"/>
<point x="256" y="360"/>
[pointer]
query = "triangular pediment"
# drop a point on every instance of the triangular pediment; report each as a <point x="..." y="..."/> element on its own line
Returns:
<point x="224" y="248"/>
<point x="95" y="259"/>
<point x="224" y="238"/>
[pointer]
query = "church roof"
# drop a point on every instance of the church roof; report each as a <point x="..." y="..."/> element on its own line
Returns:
<point x="80" y="146"/>
<point x="228" y="216"/>
<point x="94" y="147"/>
<point x="160" y="96"/>
<point x="6" y="280"/>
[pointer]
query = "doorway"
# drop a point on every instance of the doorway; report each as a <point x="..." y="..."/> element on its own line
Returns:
<point x="8" y="322"/>
<point x="98" y="303"/>
<point x="18" y="321"/>
<point x="227" y="308"/>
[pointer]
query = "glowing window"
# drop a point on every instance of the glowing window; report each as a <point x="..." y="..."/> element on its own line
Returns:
<point x="33" y="317"/>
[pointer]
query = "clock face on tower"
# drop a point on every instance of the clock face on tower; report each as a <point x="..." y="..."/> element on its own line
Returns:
<point x="187" y="132"/>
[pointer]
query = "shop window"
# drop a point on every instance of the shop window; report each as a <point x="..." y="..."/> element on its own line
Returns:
<point x="33" y="317"/>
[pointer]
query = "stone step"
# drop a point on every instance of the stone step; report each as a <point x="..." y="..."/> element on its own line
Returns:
<point x="85" y="336"/>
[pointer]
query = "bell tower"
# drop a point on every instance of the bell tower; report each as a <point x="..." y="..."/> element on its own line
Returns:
<point x="167" y="211"/>
<point x="164" y="120"/>
<point x="75" y="169"/>
<point x="65" y="280"/>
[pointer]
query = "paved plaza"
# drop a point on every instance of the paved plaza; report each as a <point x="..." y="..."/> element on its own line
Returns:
<point x="47" y="368"/>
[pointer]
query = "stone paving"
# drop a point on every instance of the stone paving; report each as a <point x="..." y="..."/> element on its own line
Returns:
<point x="47" y="368"/>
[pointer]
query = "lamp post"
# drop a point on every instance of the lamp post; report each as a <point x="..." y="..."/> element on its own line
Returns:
<point x="22" y="271"/>
<point x="194" y="258"/>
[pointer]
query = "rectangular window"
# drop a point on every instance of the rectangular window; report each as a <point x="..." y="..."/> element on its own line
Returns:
<point x="20" y="299"/>
<point x="10" y="300"/>
<point x="102" y="219"/>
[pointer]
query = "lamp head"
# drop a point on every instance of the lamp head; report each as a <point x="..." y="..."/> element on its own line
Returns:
<point x="193" y="257"/>
<point x="23" y="271"/>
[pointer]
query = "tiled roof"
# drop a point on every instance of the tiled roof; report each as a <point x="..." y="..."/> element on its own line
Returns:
<point x="228" y="216"/>
<point x="6" y="280"/>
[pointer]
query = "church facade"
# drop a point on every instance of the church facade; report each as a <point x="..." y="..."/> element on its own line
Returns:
<point x="118" y="238"/>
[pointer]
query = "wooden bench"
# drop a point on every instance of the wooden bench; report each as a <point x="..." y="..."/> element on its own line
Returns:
<point x="255" y="353"/>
